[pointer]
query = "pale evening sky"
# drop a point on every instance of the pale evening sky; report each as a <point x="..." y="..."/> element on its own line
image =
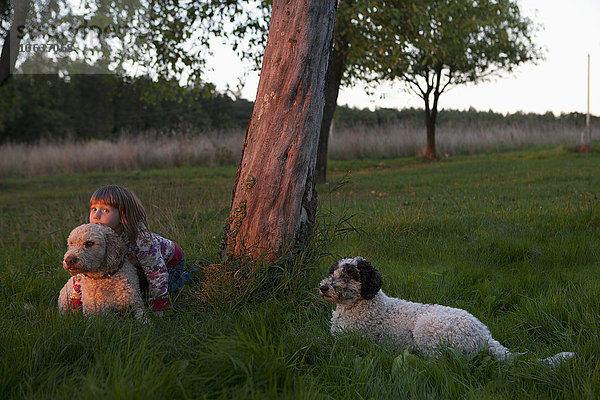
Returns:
<point x="570" y="31"/>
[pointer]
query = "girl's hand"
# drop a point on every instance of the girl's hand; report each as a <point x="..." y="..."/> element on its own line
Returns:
<point x="159" y="313"/>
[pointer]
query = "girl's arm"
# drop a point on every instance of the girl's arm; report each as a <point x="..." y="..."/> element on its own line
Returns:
<point x="147" y="252"/>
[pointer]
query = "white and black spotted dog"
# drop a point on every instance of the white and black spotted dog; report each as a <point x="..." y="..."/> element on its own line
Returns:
<point x="355" y="286"/>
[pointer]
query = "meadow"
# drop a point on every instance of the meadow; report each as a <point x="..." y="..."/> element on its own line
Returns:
<point x="513" y="237"/>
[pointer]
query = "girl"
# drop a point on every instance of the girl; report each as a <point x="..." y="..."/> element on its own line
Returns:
<point x="161" y="260"/>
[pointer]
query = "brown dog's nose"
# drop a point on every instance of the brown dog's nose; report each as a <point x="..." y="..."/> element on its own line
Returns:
<point x="324" y="288"/>
<point x="70" y="260"/>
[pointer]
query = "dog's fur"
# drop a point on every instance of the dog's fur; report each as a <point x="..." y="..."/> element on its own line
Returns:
<point x="354" y="285"/>
<point x="109" y="281"/>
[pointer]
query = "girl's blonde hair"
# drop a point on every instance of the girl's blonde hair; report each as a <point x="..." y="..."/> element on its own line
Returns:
<point x="131" y="211"/>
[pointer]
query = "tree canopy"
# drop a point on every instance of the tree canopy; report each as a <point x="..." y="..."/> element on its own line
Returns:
<point x="468" y="40"/>
<point x="158" y="38"/>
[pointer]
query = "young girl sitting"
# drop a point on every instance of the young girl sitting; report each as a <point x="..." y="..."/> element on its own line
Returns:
<point x="161" y="260"/>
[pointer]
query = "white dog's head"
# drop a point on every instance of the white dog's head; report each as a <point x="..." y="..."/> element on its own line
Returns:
<point x="350" y="280"/>
<point x="94" y="250"/>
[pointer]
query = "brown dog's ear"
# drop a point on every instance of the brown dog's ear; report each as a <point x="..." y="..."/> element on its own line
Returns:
<point x="115" y="251"/>
<point x="370" y="279"/>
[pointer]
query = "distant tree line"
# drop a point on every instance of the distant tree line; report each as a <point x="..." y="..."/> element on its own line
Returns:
<point x="347" y="117"/>
<point x="34" y="107"/>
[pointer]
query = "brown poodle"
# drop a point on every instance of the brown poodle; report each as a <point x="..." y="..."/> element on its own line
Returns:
<point x="109" y="281"/>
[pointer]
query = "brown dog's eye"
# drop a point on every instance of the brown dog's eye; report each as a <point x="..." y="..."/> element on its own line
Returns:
<point x="89" y="243"/>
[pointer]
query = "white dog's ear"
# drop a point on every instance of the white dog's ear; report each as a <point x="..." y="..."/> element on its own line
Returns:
<point x="115" y="251"/>
<point x="370" y="279"/>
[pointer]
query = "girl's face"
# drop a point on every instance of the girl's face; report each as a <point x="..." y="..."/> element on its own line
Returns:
<point x="101" y="213"/>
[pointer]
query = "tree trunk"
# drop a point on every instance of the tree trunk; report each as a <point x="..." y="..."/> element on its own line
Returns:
<point x="10" y="47"/>
<point x="333" y="79"/>
<point x="335" y="72"/>
<point x="431" y="113"/>
<point x="274" y="198"/>
<point x="430" y="119"/>
<point x="430" y="152"/>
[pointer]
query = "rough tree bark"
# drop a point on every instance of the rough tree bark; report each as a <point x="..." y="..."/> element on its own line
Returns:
<point x="10" y="47"/>
<point x="274" y="198"/>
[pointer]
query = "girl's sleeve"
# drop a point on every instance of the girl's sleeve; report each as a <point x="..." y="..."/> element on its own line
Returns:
<point x="154" y="267"/>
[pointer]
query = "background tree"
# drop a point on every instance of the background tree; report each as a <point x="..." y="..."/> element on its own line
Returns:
<point x="359" y="24"/>
<point x="335" y="73"/>
<point x="274" y="197"/>
<point x="10" y="32"/>
<point x="451" y="42"/>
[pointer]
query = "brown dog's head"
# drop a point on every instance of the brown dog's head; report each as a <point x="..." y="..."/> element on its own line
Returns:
<point x="350" y="280"/>
<point x="94" y="250"/>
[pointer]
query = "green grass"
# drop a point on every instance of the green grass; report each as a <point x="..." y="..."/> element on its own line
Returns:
<point x="511" y="237"/>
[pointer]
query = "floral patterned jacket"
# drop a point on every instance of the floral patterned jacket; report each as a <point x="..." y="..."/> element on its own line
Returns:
<point x="152" y="254"/>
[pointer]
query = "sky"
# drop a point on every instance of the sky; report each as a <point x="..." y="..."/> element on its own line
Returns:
<point x="570" y="31"/>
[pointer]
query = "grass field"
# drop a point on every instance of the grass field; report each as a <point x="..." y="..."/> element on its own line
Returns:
<point x="513" y="237"/>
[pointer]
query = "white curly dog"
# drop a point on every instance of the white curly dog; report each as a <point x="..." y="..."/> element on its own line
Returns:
<point x="109" y="281"/>
<point x="354" y="285"/>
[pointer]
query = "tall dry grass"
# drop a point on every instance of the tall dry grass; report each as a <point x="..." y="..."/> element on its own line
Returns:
<point x="409" y="139"/>
<point x="187" y="148"/>
<point x="128" y="151"/>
